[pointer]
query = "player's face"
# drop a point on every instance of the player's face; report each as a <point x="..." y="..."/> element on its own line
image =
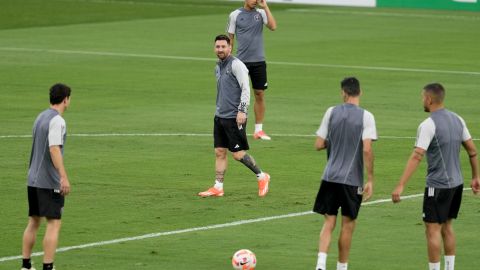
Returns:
<point x="222" y="49"/>
<point x="251" y="3"/>
<point x="426" y="101"/>
<point x="66" y="102"/>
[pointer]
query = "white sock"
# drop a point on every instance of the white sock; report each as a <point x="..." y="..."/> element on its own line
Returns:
<point x="434" y="266"/>
<point x="322" y="261"/>
<point x="449" y="262"/>
<point x="218" y="185"/>
<point x="258" y="127"/>
<point x="342" y="266"/>
<point x="260" y="176"/>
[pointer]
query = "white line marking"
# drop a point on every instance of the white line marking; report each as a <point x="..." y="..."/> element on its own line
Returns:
<point x="195" y="229"/>
<point x="183" y="134"/>
<point x="157" y="56"/>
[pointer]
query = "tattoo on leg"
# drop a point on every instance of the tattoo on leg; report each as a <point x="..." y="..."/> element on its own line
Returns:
<point x="219" y="176"/>
<point x="248" y="161"/>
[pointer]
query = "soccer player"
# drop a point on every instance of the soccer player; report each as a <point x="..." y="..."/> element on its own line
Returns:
<point x="347" y="132"/>
<point x="48" y="182"/>
<point x="233" y="98"/>
<point x="440" y="137"/>
<point x="246" y="24"/>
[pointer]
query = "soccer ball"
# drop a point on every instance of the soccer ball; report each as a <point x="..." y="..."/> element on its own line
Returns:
<point x="244" y="259"/>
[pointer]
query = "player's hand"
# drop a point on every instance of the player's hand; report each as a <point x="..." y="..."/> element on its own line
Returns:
<point x="367" y="191"/>
<point x="64" y="186"/>
<point x="241" y="118"/>
<point x="262" y="3"/>
<point x="396" y="193"/>
<point x="475" y="185"/>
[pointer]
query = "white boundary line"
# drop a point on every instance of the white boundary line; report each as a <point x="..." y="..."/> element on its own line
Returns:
<point x="183" y="134"/>
<point x="195" y="229"/>
<point x="157" y="56"/>
<point x="173" y="135"/>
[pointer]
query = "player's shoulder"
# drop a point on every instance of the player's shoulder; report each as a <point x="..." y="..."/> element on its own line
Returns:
<point x="237" y="63"/>
<point x="427" y="123"/>
<point x="367" y="114"/>
<point x="236" y="12"/>
<point x="456" y="115"/>
<point x="57" y="119"/>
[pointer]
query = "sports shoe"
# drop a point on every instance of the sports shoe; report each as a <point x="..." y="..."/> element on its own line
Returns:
<point x="261" y="135"/>
<point x="211" y="192"/>
<point x="263" y="185"/>
<point x="23" y="268"/>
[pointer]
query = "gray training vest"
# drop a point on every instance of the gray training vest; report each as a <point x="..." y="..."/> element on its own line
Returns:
<point x="228" y="89"/>
<point x="42" y="172"/>
<point x="443" y="153"/>
<point x="345" y="146"/>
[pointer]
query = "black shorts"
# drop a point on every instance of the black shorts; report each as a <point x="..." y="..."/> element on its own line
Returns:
<point x="227" y="134"/>
<point x="258" y="75"/>
<point x="331" y="196"/>
<point x="45" y="203"/>
<point x="441" y="204"/>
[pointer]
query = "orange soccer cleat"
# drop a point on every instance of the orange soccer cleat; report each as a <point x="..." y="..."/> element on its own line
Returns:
<point x="261" y="135"/>
<point x="263" y="185"/>
<point x="211" y="192"/>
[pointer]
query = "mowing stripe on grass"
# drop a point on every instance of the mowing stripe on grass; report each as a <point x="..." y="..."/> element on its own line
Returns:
<point x="170" y="57"/>
<point x="386" y="14"/>
<point x="195" y="229"/>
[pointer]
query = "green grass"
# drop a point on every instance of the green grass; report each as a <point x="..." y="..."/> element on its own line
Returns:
<point x="113" y="54"/>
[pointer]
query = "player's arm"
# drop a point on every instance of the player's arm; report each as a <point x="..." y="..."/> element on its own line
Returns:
<point x="368" y="159"/>
<point x="56" y="132"/>
<point x="240" y="72"/>
<point x="322" y="132"/>
<point x="412" y="164"/>
<point x="232" y="38"/>
<point x="472" y="154"/>
<point x="231" y="27"/>
<point x="57" y="159"/>
<point x="271" y="23"/>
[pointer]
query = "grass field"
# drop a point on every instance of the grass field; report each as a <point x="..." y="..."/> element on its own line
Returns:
<point x="146" y="67"/>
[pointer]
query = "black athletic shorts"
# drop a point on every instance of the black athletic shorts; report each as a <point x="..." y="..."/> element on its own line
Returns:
<point x="227" y="134"/>
<point x="45" y="203"/>
<point x="441" y="204"/>
<point x="331" y="196"/>
<point x="258" y="75"/>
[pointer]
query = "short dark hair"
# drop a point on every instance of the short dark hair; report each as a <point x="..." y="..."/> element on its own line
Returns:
<point x="222" y="37"/>
<point x="351" y="86"/>
<point x="436" y="90"/>
<point x="58" y="92"/>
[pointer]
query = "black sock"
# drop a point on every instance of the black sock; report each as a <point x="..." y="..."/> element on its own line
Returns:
<point x="26" y="263"/>
<point x="48" y="266"/>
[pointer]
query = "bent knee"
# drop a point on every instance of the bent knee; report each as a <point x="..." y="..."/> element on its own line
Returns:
<point x="238" y="155"/>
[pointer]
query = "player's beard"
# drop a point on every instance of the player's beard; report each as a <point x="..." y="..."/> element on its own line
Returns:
<point x="222" y="55"/>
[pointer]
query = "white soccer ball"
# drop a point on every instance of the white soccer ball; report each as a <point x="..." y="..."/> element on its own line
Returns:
<point x="244" y="259"/>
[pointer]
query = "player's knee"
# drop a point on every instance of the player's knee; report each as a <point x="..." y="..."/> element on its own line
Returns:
<point x="259" y="94"/>
<point x="34" y="223"/>
<point x="447" y="230"/>
<point x="238" y="155"/>
<point x="221" y="153"/>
